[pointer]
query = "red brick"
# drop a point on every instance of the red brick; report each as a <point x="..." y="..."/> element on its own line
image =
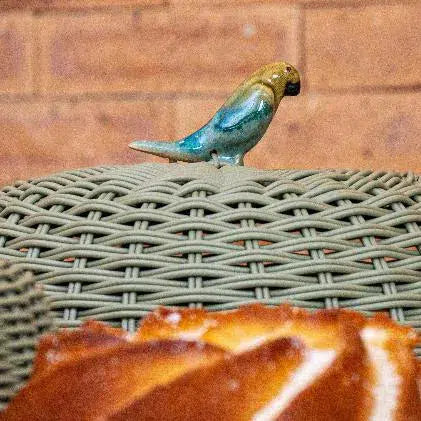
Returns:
<point x="163" y="50"/>
<point x="360" y="47"/>
<point x="319" y="131"/>
<point x="193" y="113"/>
<point x="40" y="138"/>
<point x="16" y="52"/>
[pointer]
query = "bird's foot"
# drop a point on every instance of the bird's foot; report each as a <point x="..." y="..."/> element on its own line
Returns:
<point x="215" y="159"/>
<point x="220" y="160"/>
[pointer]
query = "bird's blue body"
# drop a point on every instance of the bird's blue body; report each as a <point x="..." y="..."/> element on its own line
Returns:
<point x="233" y="130"/>
<point x="237" y="126"/>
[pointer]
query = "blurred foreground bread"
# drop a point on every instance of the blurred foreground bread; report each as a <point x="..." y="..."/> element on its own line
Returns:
<point x="254" y="363"/>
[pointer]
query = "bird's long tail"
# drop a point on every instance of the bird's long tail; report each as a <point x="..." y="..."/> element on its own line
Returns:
<point x="170" y="150"/>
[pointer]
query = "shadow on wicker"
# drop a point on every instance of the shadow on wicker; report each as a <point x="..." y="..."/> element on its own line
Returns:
<point x="112" y="243"/>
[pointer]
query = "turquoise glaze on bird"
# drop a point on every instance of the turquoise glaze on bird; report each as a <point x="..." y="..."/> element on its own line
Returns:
<point x="238" y="125"/>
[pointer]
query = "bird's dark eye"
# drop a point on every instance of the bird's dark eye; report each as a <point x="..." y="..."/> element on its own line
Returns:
<point x="288" y="69"/>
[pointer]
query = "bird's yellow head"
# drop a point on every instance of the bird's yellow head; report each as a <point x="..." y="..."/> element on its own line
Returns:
<point x="281" y="77"/>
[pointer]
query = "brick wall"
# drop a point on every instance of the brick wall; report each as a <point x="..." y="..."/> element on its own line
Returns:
<point x="80" y="79"/>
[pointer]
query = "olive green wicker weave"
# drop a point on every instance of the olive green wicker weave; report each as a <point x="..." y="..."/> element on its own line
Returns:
<point x="7" y="380"/>
<point x="112" y="243"/>
<point x="24" y="317"/>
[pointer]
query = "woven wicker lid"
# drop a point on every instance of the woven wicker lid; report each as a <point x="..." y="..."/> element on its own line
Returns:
<point x="113" y="243"/>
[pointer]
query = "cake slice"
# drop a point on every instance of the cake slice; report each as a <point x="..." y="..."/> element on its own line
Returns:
<point x="254" y="363"/>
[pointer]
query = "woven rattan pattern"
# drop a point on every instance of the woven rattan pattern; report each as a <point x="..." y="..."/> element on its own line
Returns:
<point x="112" y="243"/>
<point x="24" y="317"/>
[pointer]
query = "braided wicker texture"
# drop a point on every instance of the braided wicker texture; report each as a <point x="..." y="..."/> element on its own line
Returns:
<point x="24" y="316"/>
<point x="112" y="243"/>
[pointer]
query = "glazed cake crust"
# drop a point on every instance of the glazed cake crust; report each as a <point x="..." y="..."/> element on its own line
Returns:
<point x="254" y="363"/>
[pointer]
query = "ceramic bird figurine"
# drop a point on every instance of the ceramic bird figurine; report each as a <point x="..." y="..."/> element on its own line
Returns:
<point x="238" y="125"/>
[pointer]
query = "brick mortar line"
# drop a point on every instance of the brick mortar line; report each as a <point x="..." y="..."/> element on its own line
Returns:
<point x="79" y="10"/>
<point x="357" y="4"/>
<point x="36" y="58"/>
<point x="301" y="44"/>
<point x="116" y="96"/>
<point x="169" y="5"/>
<point x="369" y="90"/>
<point x="283" y="3"/>
<point x="135" y="96"/>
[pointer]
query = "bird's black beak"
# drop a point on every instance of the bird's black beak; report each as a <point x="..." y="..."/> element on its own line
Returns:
<point x="292" y="89"/>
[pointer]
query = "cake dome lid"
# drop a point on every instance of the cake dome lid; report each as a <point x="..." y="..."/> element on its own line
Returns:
<point x="113" y="243"/>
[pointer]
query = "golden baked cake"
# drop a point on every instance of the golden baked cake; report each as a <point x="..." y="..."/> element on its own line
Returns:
<point x="255" y="363"/>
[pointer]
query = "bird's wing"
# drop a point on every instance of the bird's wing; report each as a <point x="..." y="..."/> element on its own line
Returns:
<point x="244" y="107"/>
